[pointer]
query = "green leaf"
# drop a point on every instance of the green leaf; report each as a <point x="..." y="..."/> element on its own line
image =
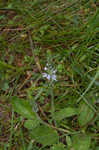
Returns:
<point x="85" y="114"/>
<point x="68" y="140"/>
<point x="23" y="107"/>
<point x="97" y="148"/>
<point x="64" y="113"/>
<point x="60" y="68"/>
<point x="4" y="65"/>
<point x="30" y="124"/>
<point x="90" y="85"/>
<point x="59" y="146"/>
<point x="45" y="135"/>
<point x="43" y="29"/>
<point x="81" y="142"/>
<point x="5" y="86"/>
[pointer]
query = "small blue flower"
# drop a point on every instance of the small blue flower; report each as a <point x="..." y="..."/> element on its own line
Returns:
<point x="50" y="73"/>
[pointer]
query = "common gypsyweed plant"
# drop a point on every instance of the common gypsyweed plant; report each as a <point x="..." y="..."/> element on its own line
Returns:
<point x="57" y="106"/>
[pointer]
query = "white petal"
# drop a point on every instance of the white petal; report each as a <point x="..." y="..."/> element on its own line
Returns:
<point x="54" y="77"/>
<point x="45" y="68"/>
<point x="48" y="77"/>
<point x="44" y="75"/>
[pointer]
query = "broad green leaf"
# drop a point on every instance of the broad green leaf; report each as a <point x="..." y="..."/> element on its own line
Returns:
<point x="45" y="135"/>
<point x="81" y="142"/>
<point x="85" y="114"/>
<point x="23" y="107"/>
<point x="30" y="124"/>
<point x="59" y="146"/>
<point x="64" y="113"/>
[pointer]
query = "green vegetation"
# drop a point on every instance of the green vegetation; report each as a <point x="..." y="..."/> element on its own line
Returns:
<point x="49" y="75"/>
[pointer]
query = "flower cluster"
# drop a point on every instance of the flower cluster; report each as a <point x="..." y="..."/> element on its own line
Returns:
<point x="50" y="73"/>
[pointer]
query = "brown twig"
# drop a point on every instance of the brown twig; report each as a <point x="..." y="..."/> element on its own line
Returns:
<point x="41" y="110"/>
<point x="29" y="76"/>
<point x="16" y="29"/>
<point x="36" y="59"/>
